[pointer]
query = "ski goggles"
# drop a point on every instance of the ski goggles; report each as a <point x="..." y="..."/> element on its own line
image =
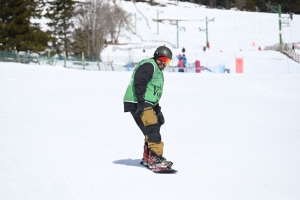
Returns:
<point x="164" y="59"/>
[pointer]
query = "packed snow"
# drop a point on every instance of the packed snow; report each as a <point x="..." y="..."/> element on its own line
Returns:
<point x="64" y="135"/>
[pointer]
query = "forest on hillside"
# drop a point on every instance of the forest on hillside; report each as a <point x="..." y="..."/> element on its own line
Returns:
<point x="287" y="6"/>
<point x="72" y="26"/>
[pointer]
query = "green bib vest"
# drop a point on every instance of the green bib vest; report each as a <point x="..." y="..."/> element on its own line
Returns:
<point x="154" y="87"/>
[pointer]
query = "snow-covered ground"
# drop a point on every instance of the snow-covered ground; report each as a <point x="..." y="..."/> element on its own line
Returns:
<point x="64" y="136"/>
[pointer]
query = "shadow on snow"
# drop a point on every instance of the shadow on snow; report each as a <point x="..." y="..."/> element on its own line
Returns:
<point x="128" y="162"/>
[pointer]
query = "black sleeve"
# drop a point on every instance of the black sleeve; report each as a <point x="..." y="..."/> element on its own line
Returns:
<point x="141" y="78"/>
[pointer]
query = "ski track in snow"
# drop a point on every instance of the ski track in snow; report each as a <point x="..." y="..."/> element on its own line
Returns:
<point x="45" y="153"/>
<point x="96" y="174"/>
<point x="240" y="178"/>
<point x="86" y="168"/>
<point x="104" y="167"/>
<point x="270" y="92"/>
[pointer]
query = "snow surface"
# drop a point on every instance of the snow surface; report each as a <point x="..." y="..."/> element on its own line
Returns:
<point x="64" y="136"/>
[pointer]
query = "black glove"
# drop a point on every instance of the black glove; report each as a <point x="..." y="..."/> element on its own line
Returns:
<point x="159" y="114"/>
<point x="140" y="109"/>
<point x="160" y="118"/>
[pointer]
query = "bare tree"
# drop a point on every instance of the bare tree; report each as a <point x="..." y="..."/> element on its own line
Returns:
<point x="212" y="3"/>
<point x="95" y="20"/>
<point x="91" y="27"/>
<point x="120" y="21"/>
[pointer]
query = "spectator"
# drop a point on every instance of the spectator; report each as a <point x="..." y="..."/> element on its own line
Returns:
<point x="293" y="47"/>
<point x="180" y="63"/>
<point x="204" y="49"/>
<point x="184" y="61"/>
<point x="129" y="66"/>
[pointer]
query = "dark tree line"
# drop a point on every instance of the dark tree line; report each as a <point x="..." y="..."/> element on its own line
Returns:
<point x="16" y="30"/>
<point x="73" y="27"/>
<point x="60" y="13"/>
<point x="252" y="5"/>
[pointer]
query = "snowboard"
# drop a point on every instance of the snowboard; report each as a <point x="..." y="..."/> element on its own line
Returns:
<point x="159" y="170"/>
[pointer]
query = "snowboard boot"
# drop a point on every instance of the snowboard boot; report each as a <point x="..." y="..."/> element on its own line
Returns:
<point x="145" y="155"/>
<point x="156" y="161"/>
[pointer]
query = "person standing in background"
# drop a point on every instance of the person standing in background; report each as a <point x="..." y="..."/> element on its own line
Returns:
<point x="184" y="62"/>
<point x="180" y="64"/>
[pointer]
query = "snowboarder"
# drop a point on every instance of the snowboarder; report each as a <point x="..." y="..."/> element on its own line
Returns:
<point x="142" y="101"/>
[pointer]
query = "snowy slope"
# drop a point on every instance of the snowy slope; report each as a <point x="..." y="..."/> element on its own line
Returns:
<point x="64" y="136"/>
<point x="229" y="30"/>
<point x="231" y="34"/>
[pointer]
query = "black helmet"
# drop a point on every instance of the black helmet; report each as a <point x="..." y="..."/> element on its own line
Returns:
<point x="162" y="50"/>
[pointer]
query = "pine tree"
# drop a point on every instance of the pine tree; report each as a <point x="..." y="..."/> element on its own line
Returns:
<point x="60" y="13"/>
<point x="16" y="30"/>
<point x="261" y="4"/>
<point x="250" y="5"/>
<point x="79" y="43"/>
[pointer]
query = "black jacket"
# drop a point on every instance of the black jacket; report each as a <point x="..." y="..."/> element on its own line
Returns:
<point x="141" y="78"/>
